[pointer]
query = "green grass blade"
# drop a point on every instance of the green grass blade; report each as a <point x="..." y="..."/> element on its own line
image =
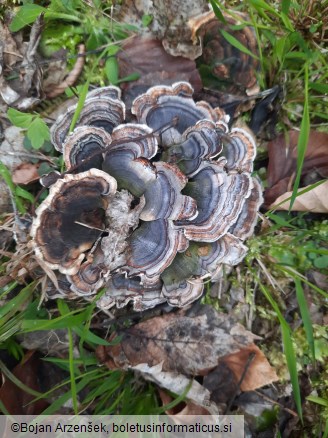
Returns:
<point x="298" y="193"/>
<point x="237" y="44"/>
<point x="217" y="11"/>
<point x="288" y="349"/>
<point x="58" y="403"/>
<point x="294" y="274"/>
<point x="72" y="372"/>
<point x="89" y="376"/>
<point x="88" y="336"/>
<point x="325" y="435"/>
<point x="260" y="6"/>
<point x="292" y="367"/>
<point x="8" y="288"/>
<point x="319" y="400"/>
<point x="176" y="401"/>
<point x="303" y="137"/>
<point x="5" y="174"/>
<point x="3" y="409"/>
<point x="108" y="386"/>
<point x="78" y="362"/>
<point x="285" y="5"/>
<point x="80" y="104"/>
<point x="281" y="222"/>
<point x="19" y="191"/>
<point x="60" y="16"/>
<point x="305" y="315"/>
<point x="17" y="382"/>
<point x="14" y="305"/>
<point x="65" y="321"/>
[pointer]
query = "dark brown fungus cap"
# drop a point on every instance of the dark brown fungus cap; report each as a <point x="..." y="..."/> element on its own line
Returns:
<point x="183" y="293"/>
<point x="153" y="247"/>
<point x="171" y="110"/>
<point x="184" y="278"/>
<point x="244" y="227"/>
<point x="163" y="197"/>
<point x="239" y="149"/>
<point x="83" y="149"/>
<point x="199" y="142"/>
<point x="120" y="290"/>
<point x="90" y="274"/>
<point x="110" y="91"/>
<point x="157" y="67"/>
<point x="127" y="160"/>
<point x="235" y="69"/>
<point x="220" y="198"/>
<point x="70" y="220"/>
<point x="100" y="110"/>
<point x="50" y="178"/>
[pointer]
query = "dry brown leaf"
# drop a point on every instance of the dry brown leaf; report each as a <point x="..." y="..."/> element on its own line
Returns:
<point x="258" y="373"/>
<point x="26" y="173"/>
<point x="189" y="343"/>
<point x="282" y="163"/>
<point x="146" y="56"/>
<point x="54" y="90"/>
<point x="17" y="401"/>
<point x="314" y="201"/>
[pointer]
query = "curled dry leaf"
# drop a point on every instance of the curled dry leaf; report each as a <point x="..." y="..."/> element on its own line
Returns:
<point x="25" y="173"/>
<point x="284" y="149"/>
<point x="53" y="91"/>
<point x="189" y="344"/>
<point x="314" y="201"/>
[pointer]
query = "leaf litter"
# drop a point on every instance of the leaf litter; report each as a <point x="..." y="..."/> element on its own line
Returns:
<point x="172" y="349"/>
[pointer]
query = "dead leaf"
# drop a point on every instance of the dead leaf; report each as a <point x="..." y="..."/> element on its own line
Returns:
<point x="25" y="173"/>
<point x="171" y="348"/>
<point x="17" y="401"/>
<point x="186" y="343"/>
<point x="282" y="163"/>
<point x="55" y="89"/>
<point x="147" y="57"/>
<point x="314" y="201"/>
<point x="258" y="373"/>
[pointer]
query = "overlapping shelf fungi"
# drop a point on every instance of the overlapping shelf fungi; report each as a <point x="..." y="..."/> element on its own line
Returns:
<point x="147" y="209"/>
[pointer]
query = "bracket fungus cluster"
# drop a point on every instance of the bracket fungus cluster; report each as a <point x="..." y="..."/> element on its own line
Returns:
<point x="147" y="210"/>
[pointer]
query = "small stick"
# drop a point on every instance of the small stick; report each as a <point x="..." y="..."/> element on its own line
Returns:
<point x="248" y="363"/>
<point x="276" y="403"/>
